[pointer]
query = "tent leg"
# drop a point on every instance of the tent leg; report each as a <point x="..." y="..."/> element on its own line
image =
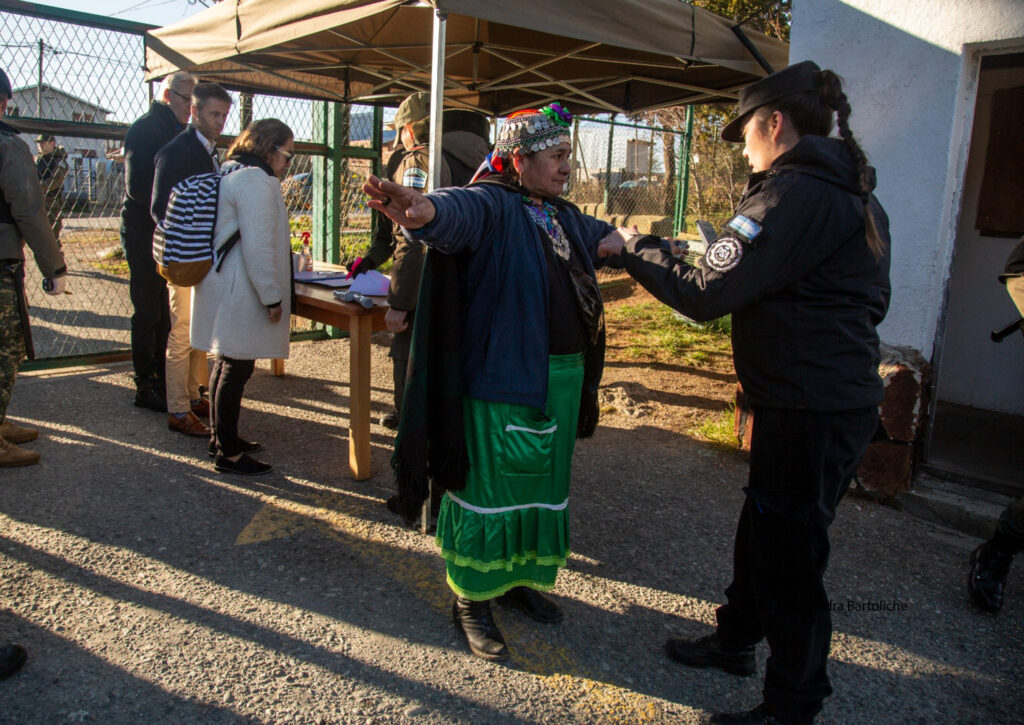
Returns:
<point x="437" y="98"/>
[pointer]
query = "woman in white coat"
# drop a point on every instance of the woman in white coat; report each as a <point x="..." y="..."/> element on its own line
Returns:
<point x="240" y="313"/>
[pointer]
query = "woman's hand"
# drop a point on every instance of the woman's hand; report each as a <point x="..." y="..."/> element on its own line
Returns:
<point x="274" y="313"/>
<point x="612" y="245"/>
<point x="404" y="206"/>
<point x="394" y="320"/>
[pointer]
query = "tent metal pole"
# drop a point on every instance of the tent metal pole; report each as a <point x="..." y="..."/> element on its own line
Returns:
<point x="434" y="169"/>
<point x="437" y="99"/>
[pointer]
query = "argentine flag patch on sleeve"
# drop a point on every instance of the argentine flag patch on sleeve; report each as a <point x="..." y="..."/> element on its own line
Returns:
<point x="745" y="227"/>
<point x="414" y="178"/>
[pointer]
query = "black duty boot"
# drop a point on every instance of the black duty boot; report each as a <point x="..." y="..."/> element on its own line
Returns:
<point x="531" y="603"/>
<point x="12" y="657"/>
<point x="758" y="716"/>
<point x="477" y="623"/>
<point x="990" y="563"/>
<point x="707" y="652"/>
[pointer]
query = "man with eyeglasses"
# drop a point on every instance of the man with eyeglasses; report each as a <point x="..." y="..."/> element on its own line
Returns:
<point x="191" y="152"/>
<point x="150" y="323"/>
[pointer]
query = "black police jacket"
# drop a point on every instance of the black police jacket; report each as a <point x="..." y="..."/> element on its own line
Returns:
<point x="794" y="269"/>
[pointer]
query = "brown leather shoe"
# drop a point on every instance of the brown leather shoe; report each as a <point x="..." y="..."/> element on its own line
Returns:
<point x="11" y="455"/>
<point x="202" y="409"/>
<point x="189" y="425"/>
<point x="16" y="434"/>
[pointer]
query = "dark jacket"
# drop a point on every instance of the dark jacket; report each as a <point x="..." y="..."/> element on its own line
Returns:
<point x="794" y="269"/>
<point x="408" y="265"/>
<point x="461" y="154"/>
<point x="22" y="211"/>
<point x="183" y="157"/>
<point x="145" y="137"/>
<point x="505" y="285"/>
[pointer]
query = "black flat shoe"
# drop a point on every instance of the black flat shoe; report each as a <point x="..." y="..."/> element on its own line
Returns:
<point x="12" y="657"/>
<point x="244" y="466"/>
<point x="533" y="604"/>
<point x="247" y="447"/>
<point x="477" y="623"/>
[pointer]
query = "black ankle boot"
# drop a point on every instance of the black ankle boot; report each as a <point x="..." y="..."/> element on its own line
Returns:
<point x="477" y="623"/>
<point x="990" y="563"/>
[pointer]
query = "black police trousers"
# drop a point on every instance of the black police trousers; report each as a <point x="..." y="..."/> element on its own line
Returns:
<point x="801" y="464"/>
<point x="151" y="316"/>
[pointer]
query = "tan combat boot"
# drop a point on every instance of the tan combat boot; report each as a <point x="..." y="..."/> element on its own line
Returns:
<point x="16" y="434"/>
<point x="11" y="455"/>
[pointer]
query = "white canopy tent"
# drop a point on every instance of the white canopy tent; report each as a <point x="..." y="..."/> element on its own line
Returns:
<point x="495" y="56"/>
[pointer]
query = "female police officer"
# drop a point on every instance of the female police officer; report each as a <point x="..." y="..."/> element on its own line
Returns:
<point x="804" y="269"/>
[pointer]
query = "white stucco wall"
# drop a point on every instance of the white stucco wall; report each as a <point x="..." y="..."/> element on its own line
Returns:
<point x="910" y="68"/>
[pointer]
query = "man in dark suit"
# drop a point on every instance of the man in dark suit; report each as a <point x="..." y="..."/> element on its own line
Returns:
<point x="191" y="152"/>
<point x="150" y="321"/>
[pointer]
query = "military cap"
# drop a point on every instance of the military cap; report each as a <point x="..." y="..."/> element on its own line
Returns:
<point x="799" y="78"/>
<point x="45" y="137"/>
<point x="414" y="108"/>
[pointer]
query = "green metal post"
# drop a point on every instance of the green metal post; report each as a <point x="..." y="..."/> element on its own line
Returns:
<point x="608" y="167"/>
<point x="330" y="127"/>
<point x="377" y="142"/>
<point x="683" y="192"/>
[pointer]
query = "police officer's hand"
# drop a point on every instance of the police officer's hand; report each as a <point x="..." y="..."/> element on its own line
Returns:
<point x="394" y="320"/>
<point x="404" y="206"/>
<point x="55" y="285"/>
<point x="613" y="244"/>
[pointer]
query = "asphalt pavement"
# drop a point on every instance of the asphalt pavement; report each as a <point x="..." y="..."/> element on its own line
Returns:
<point x="148" y="588"/>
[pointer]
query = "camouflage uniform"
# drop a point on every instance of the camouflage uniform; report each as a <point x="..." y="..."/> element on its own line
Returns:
<point x="22" y="220"/>
<point x="12" y="338"/>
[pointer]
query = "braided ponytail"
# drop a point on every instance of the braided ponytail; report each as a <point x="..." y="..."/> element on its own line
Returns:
<point x="831" y="90"/>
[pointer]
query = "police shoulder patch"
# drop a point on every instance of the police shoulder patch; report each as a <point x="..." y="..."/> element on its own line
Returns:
<point x="415" y="178"/>
<point x="724" y="254"/>
<point x="745" y="227"/>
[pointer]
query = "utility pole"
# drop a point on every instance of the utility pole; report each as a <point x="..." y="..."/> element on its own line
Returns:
<point x="39" y="83"/>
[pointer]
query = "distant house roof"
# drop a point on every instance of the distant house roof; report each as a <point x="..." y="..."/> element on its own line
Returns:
<point x="48" y="87"/>
<point x="361" y="128"/>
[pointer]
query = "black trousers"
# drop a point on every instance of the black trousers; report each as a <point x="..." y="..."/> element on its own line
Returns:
<point x="151" y="318"/>
<point x="801" y="464"/>
<point x="401" y="346"/>
<point x="227" y="384"/>
<point x="1011" y="523"/>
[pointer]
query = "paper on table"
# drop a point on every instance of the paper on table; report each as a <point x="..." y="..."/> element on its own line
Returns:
<point x="371" y="283"/>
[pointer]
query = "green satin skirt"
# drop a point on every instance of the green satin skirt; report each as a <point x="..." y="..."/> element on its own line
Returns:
<point x="509" y="526"/>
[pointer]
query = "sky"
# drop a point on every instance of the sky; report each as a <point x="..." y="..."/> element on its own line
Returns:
<point x="154" y="12"/>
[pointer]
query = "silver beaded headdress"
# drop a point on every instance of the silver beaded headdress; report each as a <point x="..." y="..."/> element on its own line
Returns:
<point x="533" y="130"/>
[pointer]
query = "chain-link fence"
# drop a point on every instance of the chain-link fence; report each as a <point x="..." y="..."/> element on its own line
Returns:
<point x="629" y="174"/>
<point x="624" y="169"/>
<point x="80" y="79"/>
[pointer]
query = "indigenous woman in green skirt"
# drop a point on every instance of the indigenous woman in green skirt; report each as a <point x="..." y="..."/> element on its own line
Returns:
<point x="507" y="353"/>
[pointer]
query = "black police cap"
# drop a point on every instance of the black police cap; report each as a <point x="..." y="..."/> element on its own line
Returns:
<point x="798" y="78"/>
<point x="5" y="85"/>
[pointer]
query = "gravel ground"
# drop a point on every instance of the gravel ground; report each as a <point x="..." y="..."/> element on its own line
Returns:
<point x="149" y="589"/>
